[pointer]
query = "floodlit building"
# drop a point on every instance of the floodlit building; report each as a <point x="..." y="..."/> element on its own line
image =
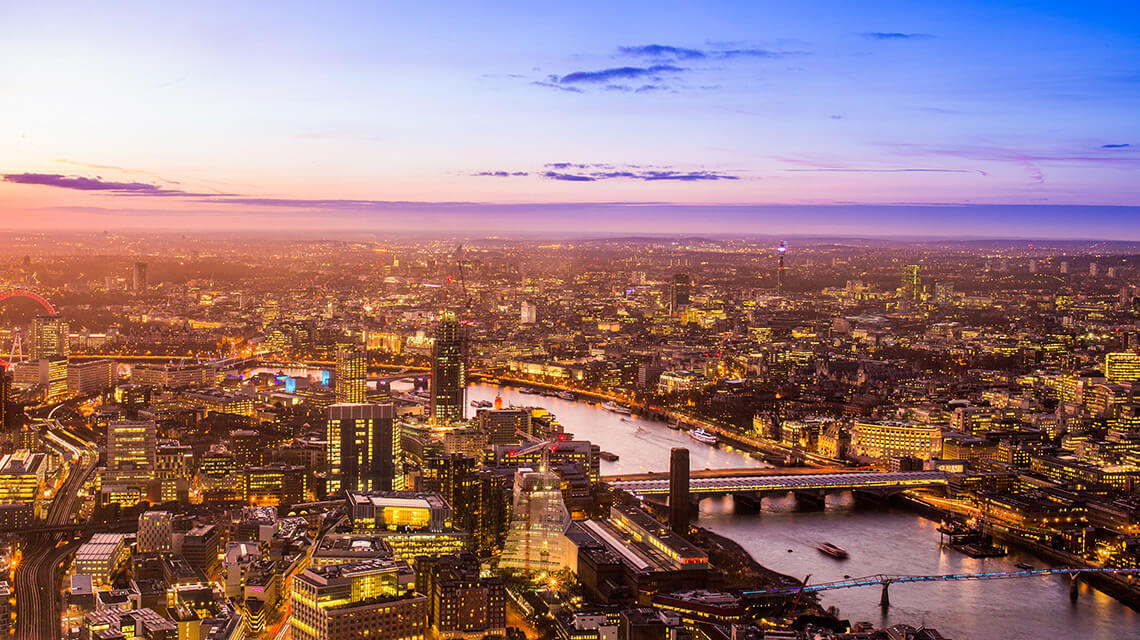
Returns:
<point x="893" y="438"/>
<point x="536" y="540"/>
<point x="355" y="601"/>
<point x="1122" y="367"/>
<point x="101" y="556"/>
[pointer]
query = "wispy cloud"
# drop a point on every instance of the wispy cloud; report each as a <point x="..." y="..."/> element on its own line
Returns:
<point x="661" y="63"/>
<point x="895" y="35"/>
<point x="661" y="51"/>
<point x="596" y="171"/>
<point x="81" y="183"/>
<point x="1115" y="146"/>
<point x="555" y="85"/>
<point x="617" y="73"/>
<point x="902" y="170"/>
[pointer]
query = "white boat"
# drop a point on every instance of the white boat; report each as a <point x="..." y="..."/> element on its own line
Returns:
<point x="565" y="395"/>
<point x="700" y="435"/>
<point x="616" y="408"/>
<point x="528" y="391"/>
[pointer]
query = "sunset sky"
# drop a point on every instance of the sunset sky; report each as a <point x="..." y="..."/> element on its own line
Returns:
<point x="881" y="118"/>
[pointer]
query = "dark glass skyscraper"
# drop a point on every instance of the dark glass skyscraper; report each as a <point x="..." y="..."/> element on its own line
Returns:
<point x="679" y="292"/>
<point x="448" y="371"/>
<point x="363" y="448"/>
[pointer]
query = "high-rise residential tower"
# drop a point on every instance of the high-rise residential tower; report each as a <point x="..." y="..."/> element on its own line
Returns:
<point x="140" y="282"/>
<point x="448" y="371"/>
<point x="679" y="292"/>
<point x="911" y="286"/>
<point x="363" y="448"/>
<point x="351" y="373"/>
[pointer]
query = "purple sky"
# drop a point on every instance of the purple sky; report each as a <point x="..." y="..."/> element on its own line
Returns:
<point x="895" y="118"/>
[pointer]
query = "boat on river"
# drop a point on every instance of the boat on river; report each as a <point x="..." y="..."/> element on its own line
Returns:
<point x="833" y="550"/>
<point x="565" y="395"/>
<point x="702" y="436"/>
<point x="613" y="407"/>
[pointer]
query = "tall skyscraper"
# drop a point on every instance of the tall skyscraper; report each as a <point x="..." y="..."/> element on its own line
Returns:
<point x="351" y="373"/>
<point x="536" y="539"/>
<point x="679" y="292"/>
<point x="679" y="490"/>
<point x="363" y="448"/>
<point x="780" y="251"/>
<point x="49" y="337"/>
<point x="528" y="313"/>
<point x="911" y="282"/>
<point x="141" y="282"/>
<point x="448" y="371"/>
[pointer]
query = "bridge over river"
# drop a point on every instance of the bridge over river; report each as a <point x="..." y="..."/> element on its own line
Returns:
<point x="760" y="481"/>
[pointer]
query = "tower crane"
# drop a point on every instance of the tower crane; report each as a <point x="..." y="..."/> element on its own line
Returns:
<point x="463" y="285"/>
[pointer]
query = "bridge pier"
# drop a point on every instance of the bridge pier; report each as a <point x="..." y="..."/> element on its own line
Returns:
<point x="747" y="503"/>
<point x="870" y="498"/>
<point x="1074" y="586"/>
<point x="810" y="500"/>
<point x="885" y="598"/>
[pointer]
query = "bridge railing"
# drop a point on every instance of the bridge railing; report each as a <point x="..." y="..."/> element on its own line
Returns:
<point x="884" y="579"/>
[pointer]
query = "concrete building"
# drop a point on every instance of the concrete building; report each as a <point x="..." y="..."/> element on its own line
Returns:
<point x="156" y="532"/>
<point x="356" y="601"/>
<point x="85" y="378"/>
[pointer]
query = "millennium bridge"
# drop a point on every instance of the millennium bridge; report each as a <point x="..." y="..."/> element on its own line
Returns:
<point x="885" y="581"/>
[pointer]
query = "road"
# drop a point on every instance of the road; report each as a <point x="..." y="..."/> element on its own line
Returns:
<point x="279" y="629"/>
<point x="37" y="587"/>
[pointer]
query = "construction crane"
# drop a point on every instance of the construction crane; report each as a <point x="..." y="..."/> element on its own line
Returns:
<point x="463" y="285"/>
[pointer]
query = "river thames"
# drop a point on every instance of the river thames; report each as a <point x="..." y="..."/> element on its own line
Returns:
<point x="886" y="541"/>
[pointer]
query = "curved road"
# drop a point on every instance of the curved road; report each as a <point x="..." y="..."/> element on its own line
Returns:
<point x="37" y="587"/>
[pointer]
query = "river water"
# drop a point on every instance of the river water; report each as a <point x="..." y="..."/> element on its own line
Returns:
<point x="642" y="445"/>
<point x="879" y="541"/>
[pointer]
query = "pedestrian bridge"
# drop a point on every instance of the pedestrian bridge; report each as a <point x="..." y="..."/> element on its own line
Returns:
<point x="755" y="482"/>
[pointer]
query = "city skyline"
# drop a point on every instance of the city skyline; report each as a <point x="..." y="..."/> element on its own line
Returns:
<point x="971" y="119"/>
